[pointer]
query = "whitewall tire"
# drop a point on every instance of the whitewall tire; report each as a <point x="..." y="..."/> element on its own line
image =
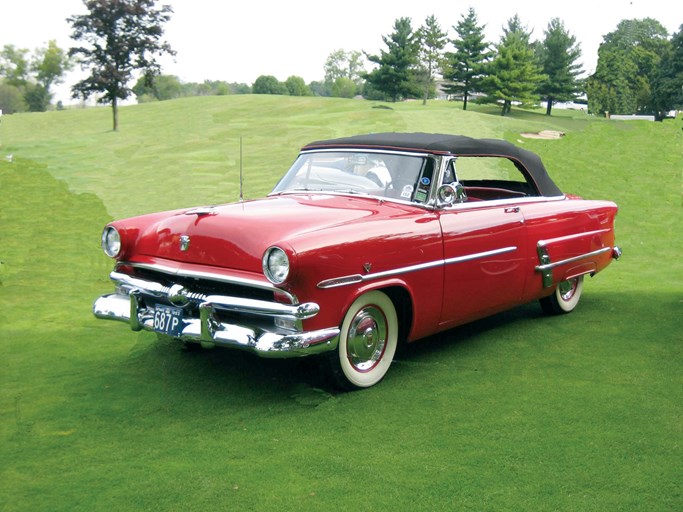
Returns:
<point x="565" y="297"/>
<point x="367" y="342"/>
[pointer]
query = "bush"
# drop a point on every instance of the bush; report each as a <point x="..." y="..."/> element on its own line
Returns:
<point x="268" y="84"/>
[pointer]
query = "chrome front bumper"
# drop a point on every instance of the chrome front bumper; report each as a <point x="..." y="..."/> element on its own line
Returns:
<point x="128" y="305"/>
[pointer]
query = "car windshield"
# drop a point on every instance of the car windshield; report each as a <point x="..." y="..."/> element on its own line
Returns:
<point x="379" y="174"/>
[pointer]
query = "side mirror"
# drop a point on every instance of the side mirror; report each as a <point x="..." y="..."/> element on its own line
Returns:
<point x="450" y="194"/>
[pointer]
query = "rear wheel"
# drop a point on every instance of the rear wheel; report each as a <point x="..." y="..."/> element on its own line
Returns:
<point x="565" y="298"/>
<point x="367" y="342"/>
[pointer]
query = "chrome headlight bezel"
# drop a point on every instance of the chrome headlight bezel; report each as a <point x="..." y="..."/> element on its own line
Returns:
<point x="276" y="265"/>
<point x="111" y="241"/>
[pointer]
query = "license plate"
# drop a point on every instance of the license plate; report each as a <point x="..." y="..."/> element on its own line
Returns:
<point x="168" y="320"/>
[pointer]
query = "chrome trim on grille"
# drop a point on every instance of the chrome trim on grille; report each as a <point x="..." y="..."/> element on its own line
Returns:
<point x="240" y="281"/>
<point x="129" y="285"/>
<point x="359" y="278"/>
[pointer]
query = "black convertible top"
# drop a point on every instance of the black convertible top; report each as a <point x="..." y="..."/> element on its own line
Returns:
<point x="442" y="144"/>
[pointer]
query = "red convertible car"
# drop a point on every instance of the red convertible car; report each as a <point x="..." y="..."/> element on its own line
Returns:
<point x="366" y="242"/>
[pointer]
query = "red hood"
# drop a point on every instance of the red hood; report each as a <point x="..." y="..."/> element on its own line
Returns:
<point x="236" y="235"/>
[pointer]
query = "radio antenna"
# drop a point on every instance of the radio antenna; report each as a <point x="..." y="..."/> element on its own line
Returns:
<point x="241" y="194"/>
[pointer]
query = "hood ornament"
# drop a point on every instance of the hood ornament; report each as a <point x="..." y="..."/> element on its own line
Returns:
<point x="184" y="243"/>
<point x="202" y="210"/>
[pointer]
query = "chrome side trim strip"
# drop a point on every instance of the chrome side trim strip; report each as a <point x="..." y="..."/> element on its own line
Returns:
<point x="478" y="205"/>
<point x="479" y="255"/>
<point x="359" y="278"/>
<point x="572" y="237"/>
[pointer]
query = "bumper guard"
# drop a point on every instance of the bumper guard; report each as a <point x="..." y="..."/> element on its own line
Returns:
<point x="126" y="306"/>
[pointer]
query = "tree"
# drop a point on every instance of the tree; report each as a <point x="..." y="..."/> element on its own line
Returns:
<point x="37" y="97"/>
<point x="50" y="64"/>
<point x="344" y="88"/>
<point x="163" y="87"/>
<point x="628" y="64"/>
<point x="668" y="84"/>
<point x="343" y="64"/>
<point x="14" y="68"/>
<point x="32" y="78"/>
<point x="342" y="67"/>
<point x="514" y="74"/>
<point x="121" y="37"/>
<point x="297" y="86"/>
<point x="268" y="84"/>
<point x="167" y="87"/>
<point x="465" y="67"/>
<point x="11" y="99"/>
<point x="431" y="40"/>
<point x="14" y="65"/>
<point x="558" y="55"/>
<point x="394" y="76"/>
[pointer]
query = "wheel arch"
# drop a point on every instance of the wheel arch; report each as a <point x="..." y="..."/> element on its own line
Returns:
<point x="400" y="296"/>
<point x="403" y="302"/>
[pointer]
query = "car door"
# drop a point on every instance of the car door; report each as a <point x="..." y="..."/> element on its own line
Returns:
<point x="485" y="250"/>
<point x="484" y="253"/>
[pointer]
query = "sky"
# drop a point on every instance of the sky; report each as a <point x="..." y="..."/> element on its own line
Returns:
<point x="240" y="40"/>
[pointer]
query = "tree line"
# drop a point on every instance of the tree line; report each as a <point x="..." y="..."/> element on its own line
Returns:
<point x="639" y="69"/>
<point x="26" y="79"/>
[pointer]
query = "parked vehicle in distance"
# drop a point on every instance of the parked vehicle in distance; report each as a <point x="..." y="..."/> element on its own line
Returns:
<point x="366" y="242"/>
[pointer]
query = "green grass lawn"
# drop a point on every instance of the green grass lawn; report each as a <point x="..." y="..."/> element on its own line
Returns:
<point x="519" y="412"/>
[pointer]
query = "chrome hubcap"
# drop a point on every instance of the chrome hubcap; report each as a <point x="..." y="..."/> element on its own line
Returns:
<point x="367" y="338"/>
<point x="567" y="289"/>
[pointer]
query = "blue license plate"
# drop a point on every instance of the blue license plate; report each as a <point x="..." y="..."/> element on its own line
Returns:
<point x="168" y="320"/>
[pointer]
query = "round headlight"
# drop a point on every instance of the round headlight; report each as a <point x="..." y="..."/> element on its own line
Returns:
<point x="276" y="265"/>
<point x="111" y="242"/>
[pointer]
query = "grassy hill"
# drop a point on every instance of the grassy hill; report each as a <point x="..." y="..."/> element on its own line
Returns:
<point x="517" y="412"/>
<point x="188" y="149"/>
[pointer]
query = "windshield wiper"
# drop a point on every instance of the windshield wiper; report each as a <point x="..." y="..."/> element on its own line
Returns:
<point x="350" y="191"/>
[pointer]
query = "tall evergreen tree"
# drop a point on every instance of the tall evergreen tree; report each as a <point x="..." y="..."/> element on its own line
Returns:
<point x="432" y="41"/>
<point x="394" y="76"/>
<point x="558" y="55"/>
<point x="465" y="66"/>
<point x="514" y="74"/>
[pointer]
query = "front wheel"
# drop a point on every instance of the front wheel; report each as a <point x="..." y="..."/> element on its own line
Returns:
<point x="565" y="298"/>
<point x="367" y="342"/>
